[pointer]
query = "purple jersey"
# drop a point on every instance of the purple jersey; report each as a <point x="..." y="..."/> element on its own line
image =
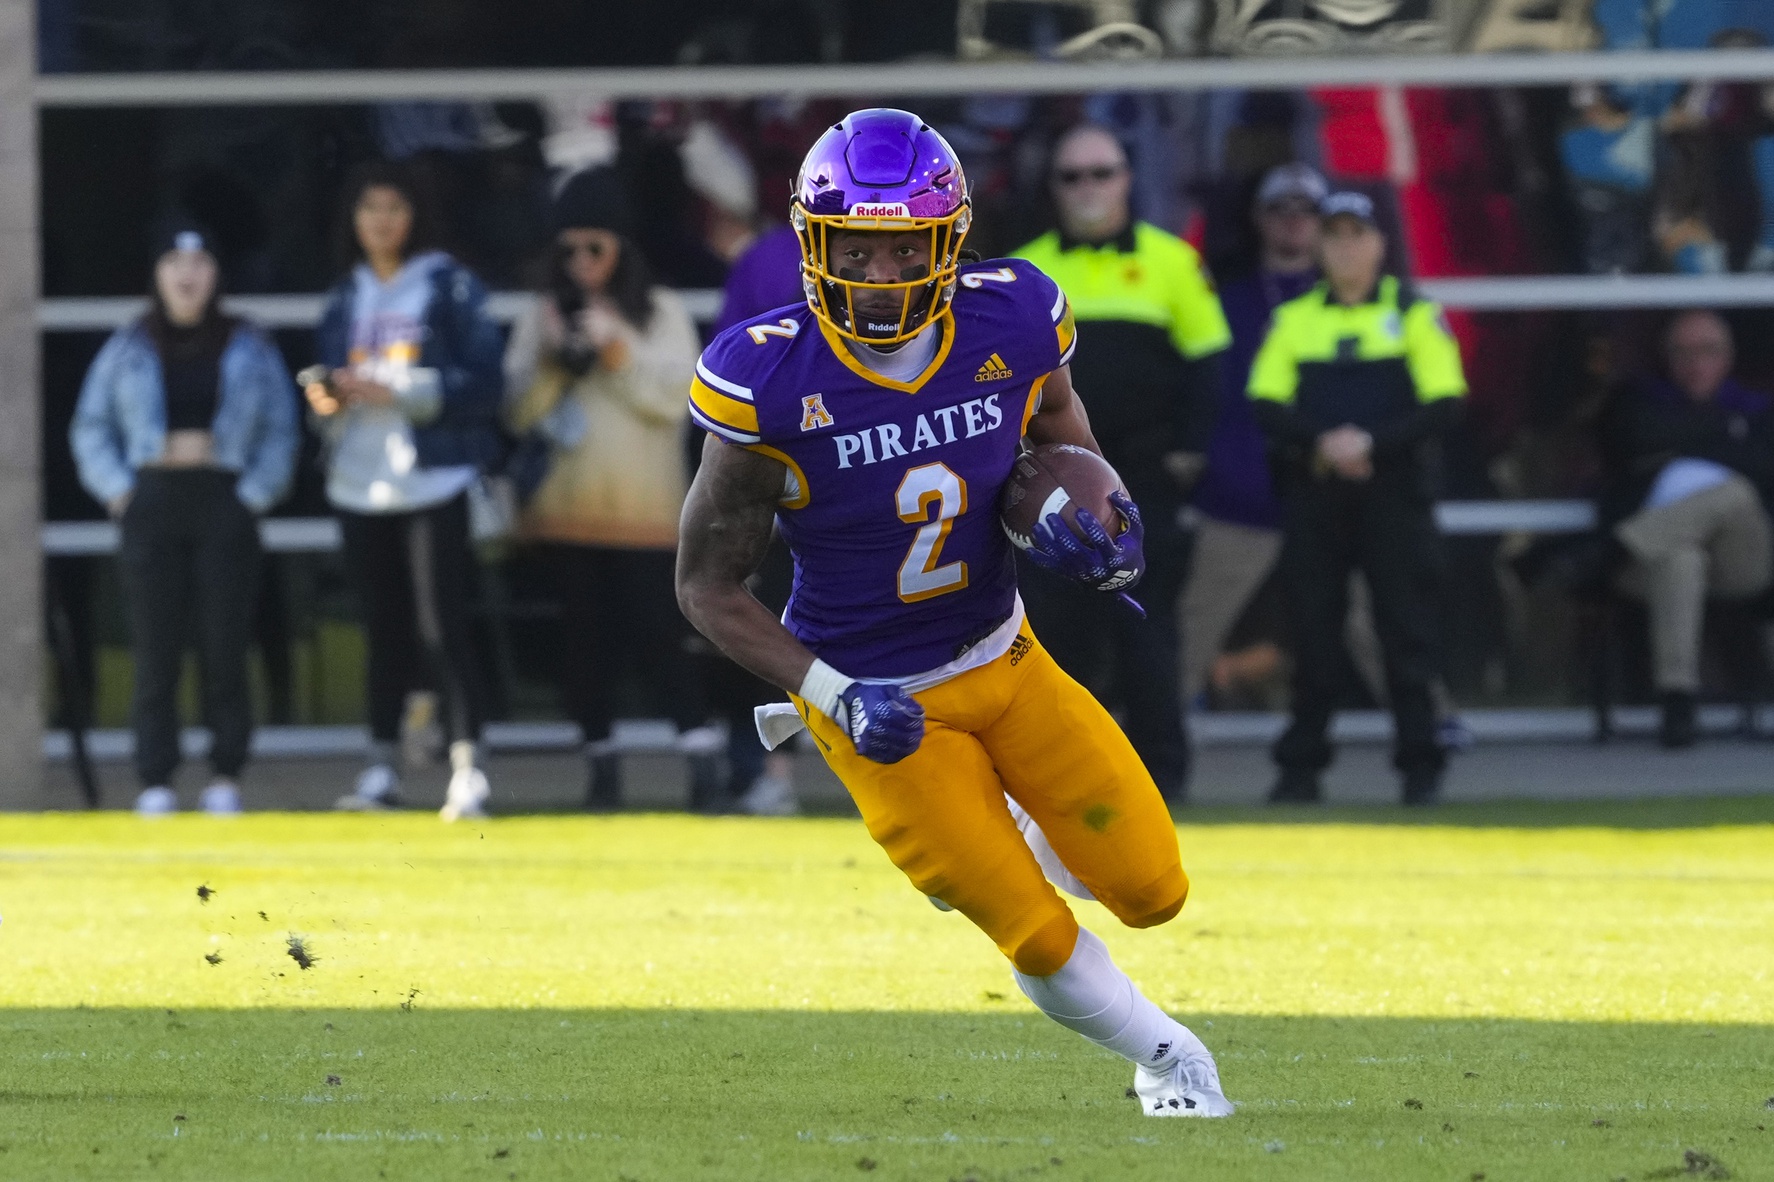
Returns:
<point x="892" y="507"/>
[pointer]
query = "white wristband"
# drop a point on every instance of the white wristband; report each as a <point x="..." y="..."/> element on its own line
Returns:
<point x="821" y="688"/>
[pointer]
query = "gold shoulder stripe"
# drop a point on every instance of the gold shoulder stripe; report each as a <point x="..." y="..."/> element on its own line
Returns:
<point x="729" y="412"/>
<point x="1067" y="330"/>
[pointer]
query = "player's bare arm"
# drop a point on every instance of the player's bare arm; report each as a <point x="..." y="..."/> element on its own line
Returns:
<point x="1061" y="417"/>
<point x="725" y="530"/>
<point x="723" y="533"/>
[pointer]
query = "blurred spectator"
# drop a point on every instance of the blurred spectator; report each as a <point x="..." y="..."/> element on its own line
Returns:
<point x="1150" y="332"/>
<point x="598" y="369"/>
<point x="766" y="276"/>
<point x="1690" y="459"/>
<point x="1642" y="157"/>
<point x="186" y="432"/>
<point x="1353" y="381"/>
<point x="1239" y="534"/>
<point x="407" y="395"/>
<point x="720" y="173"/>
<point x="684" y="234"/>
<point x="1609" y="158"/>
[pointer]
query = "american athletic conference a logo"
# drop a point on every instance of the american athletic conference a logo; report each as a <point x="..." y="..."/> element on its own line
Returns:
<point x="814" y="415"/>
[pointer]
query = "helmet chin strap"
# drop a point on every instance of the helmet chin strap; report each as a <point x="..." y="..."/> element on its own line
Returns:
<point x="922" y="308"/>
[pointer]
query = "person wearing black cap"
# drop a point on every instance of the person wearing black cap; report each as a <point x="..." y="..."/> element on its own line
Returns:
<point x="1351" y="385"/>
<point x="596" y="371"/>
<point x="186" y="432"/>
<point x="1238" y="533"/>
<point x="407" y="397"/>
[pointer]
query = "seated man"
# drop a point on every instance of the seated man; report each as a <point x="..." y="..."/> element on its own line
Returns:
<point x="1690" y="460"/>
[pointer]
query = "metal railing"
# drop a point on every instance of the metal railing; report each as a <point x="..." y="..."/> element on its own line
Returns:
<point x="320" y="535"/>
<point x="899" y="79"/>
<point x="1513" y="293"/>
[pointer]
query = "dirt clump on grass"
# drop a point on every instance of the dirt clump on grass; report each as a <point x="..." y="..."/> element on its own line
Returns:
<point x="1696" y="1163"/>
<point x="301" y="953"/>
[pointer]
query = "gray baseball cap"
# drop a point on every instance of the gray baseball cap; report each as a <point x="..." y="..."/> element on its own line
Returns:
<point x="1348" y="203"/>
<point x="1296" y="180"/>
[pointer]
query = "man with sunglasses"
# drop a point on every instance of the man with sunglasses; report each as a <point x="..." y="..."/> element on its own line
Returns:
<point x="1150" y="333"/>
<point x="875" y="425"/>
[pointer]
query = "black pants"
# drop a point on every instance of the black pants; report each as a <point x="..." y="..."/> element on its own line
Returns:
<point x="1332" y="528"/>
<point x="1120" y="657"/>
<point x="619" y="615"/>
<point x="414" y="573"/>
<point x="189" y="556"/>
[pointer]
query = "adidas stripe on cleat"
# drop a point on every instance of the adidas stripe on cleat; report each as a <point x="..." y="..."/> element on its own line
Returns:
<point x="1188" y="1085"/>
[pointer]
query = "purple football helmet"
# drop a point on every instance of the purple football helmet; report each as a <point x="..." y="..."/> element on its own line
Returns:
<point x="883" y="171"/>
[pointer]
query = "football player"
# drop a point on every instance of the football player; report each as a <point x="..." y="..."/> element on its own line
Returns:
<point x="875" y="425"/>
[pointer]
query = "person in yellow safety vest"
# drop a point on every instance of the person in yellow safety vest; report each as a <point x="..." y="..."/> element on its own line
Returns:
<point x="1150" y="332"/>
<point x="1354" y="381"/>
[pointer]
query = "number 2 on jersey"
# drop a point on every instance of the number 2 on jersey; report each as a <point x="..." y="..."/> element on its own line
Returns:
<point x="919" y="575"/>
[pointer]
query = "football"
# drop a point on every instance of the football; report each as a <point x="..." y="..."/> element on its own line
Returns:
<point x="1057" y="478"/>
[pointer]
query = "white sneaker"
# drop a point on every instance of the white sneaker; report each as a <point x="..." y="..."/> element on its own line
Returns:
<point x="1188" y="1086"/>
<point x="467" y="795"/>
<point x="156" y="802"/>
<point x="770" y="796"/>
<point x="220" y="799"/>
<point x="378" y="789"/>
<point x="702" y="740"/>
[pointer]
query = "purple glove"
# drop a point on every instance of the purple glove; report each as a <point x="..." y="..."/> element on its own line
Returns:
<point x="1096" y="560"/>
<point x="884" y="721"/>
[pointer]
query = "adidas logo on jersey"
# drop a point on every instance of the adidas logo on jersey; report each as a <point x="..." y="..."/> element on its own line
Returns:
<point x="992" y="370"/>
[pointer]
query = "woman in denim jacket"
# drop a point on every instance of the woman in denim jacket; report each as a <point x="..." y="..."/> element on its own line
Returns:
<point x="408" y="395"/>
<point x="186" y="432"/>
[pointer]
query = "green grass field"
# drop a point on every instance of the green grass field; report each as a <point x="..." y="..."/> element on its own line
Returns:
<point x="1506" y="992"/>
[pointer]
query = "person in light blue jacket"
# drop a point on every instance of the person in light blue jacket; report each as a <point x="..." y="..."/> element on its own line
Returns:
<point x="186" y="431"/>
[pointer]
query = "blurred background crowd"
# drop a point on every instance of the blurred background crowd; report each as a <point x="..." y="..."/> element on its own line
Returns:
<point x="624" y="217"/>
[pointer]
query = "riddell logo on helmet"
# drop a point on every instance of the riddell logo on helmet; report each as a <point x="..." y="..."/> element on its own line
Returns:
<point x="880" y="209"/>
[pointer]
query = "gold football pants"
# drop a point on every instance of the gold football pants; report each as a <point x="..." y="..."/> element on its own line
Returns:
<point x="1021" y="726"/>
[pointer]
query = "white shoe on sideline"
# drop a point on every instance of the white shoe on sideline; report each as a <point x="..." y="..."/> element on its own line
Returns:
<point x="220" y="799"/>
<point x="378" y="789"/>
<point x="1188" y="1086"/>
<point x="467" y="795"/>
<point x="770" y="796"/>
<point x="702" y="740"/>
<point x="156" y="802"/>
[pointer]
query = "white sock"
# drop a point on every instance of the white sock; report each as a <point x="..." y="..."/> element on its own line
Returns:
<point x="465" y="755"/>
<point x="1094" y="998"/>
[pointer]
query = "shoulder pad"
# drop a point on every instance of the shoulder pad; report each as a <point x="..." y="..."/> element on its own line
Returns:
<point x="1017" y="279"/>
<point x="1032" y="293"/>
<point x="739" y="362"/>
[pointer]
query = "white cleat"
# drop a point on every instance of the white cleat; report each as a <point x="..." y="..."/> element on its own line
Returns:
<point x="378" y="789"/>
<point x="1188" y="1086"/>
<point x="156" y="802"/>
<point x="770" y="796"/>
<point x="467" y="796"/>
<point x="220" y="799"/>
